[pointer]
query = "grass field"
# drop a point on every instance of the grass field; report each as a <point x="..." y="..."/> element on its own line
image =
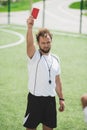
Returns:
<point x="25" y="5"/>
<point x="13" y="80"/>
<point x="76" y="5"/>
<point x="17" y="6"/>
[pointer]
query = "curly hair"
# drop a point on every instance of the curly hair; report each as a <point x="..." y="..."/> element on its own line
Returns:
<point x="43" y="32"/>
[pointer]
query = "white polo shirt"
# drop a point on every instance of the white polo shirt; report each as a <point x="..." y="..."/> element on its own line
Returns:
<point x="85" y="114"/>
<point x="38" y="69"/>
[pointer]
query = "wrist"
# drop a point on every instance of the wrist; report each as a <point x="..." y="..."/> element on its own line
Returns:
<point x="61" y="99"/>
<point x="30" y="27"/>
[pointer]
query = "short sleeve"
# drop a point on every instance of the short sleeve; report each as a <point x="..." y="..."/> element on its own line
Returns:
<point x="35" y="57"/>
<point x="57" y="64"/>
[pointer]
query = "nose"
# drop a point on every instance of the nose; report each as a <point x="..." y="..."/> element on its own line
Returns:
<point x="46" y="44"/>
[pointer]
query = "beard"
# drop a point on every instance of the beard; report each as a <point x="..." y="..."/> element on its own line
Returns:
<point x="45" y="50"/>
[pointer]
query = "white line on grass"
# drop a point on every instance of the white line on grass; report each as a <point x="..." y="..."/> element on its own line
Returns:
<point x="14" y="43"/>
<point x="69" y="34"/>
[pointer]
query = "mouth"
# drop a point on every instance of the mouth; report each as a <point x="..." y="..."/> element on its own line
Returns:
<point x="45" y="50"/>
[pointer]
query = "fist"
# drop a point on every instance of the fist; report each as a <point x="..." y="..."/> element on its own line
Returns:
<point x="30" y="21"/>
<point x="61" y="108"/>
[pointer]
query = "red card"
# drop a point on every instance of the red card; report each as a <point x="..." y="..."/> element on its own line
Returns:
<point x="35" y="12"/>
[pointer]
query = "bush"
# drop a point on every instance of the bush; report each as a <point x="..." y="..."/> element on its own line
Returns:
<point x="4" y="3"/>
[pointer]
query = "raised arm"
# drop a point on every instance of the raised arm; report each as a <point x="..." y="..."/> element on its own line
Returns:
<point x="59" y="93"/>
<point x="29" y="38"/>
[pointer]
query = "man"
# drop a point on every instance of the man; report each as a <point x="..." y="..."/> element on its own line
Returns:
<point x="84" y="105"/>
<point x="44" y="81"/>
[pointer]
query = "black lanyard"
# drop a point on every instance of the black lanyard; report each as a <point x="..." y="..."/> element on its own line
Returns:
<point x="49" y="69"/>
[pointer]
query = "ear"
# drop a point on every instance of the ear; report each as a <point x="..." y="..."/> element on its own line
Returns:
<point x="37" y="43"/>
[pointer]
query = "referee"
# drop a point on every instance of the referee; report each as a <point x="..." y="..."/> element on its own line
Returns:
<point x="44" y="81"/>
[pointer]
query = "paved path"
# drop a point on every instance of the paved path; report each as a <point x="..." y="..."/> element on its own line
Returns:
<point x="57" y="16"/>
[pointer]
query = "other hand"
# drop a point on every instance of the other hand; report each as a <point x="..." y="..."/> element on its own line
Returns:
<point x="62" y="106"/>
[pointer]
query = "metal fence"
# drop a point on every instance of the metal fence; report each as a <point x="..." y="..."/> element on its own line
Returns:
<point x="54" y="14"/>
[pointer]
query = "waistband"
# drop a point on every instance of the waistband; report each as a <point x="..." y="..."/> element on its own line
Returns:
<point x="41" y="97"/>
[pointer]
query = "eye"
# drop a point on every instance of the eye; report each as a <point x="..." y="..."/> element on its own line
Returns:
<point x="43" y="43"/>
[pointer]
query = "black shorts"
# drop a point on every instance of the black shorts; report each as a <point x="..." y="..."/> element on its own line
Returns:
<point x="40" y="110"/>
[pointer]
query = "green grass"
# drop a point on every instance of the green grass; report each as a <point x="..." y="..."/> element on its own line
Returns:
<point x="8" y="37"/>
<point x="76" y="5"/>
<point x="17" y="6"/>
<point x="14" y="77"/>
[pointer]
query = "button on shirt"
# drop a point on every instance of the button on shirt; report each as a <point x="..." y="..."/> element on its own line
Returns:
<point x="38" y="69"/>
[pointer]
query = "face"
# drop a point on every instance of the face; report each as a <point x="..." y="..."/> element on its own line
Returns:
<point x="45" y="44"/>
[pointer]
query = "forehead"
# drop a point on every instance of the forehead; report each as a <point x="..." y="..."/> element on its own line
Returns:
<point x="45" y="38"/>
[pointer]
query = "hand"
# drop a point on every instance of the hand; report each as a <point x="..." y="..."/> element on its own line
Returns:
<point x="62" y="106"/>
<point x="30" y="21"/>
